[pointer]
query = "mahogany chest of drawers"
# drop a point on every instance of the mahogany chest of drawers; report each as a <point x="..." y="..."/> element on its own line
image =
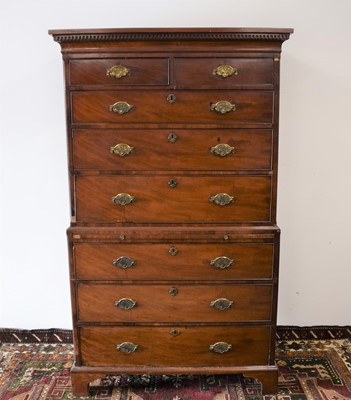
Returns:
<point x="172" y="143"/>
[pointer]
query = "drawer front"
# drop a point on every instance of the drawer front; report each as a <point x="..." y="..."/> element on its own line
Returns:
<point x="175" y="346"/>
<point x="223" y="72"/>
<point x="174" y="303"/>
<point x="189" y="107"/>
<point x="176" y="261"/>
<point x="124" y="71"/>
<point x="173" y="198"/>
<point x="177" y="149"/>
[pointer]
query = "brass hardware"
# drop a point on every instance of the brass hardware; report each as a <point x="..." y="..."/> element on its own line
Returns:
<point x="225" y="71"/>
<point x="222" y="150"/>
<point x="225" y="237"/>
<point x="221" y="304"/>
<point x="118" y="71"/>
<point x="173" y="291"/>
<point x="223" y="107"/>
<point x="171" y="98"/>
<point x="124" y="262"/>
<point x="122" y="237"/>
<point x="121" y="149"/>
<point x="222" y="199"/>
<point x="172" y="183"/>
<point x="76" y="236"/>
<point x="220" y="347"/>
<point x="174" y="332"/>
<point x="222" y="262"/>
<point x="125" y="304"/>
<point x="173" y="251"/>
<point x="172" y="137"/>
<point x="121" y="107"/>
<point x="123" y="199"/>
<point x="127" y="347"/>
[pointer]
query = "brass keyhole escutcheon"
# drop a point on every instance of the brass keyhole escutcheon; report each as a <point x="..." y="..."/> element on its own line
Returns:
<point x="171" y="98"/>
<point x="172" y="183"/>
<point x="173" y="291"/>
<point x="173" y="251"/>
<point x="172" y="137"/>
<point x="174" y="332"/>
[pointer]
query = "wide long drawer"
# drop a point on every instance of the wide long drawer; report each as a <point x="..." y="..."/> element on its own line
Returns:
<point x="229" y="107"/>
<point x="175" y="346"/>
<point x="181" y="198"/>
<point x="228" y="149"/>
<point x="174" y="303"/>
<point x="177" y="261"/>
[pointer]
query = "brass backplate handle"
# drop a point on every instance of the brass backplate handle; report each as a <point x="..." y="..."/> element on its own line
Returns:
<point x="222" y="150"/>
<point x="121" y="107"/>
<point x="225" y="71"/>
<point x="125" y="304"/>
<point x="222" y="262"/>
<point x="222" y="199"/>
<point x="127" y="347"/>
<point x="220" y="347"/>
<point x="123" y="199"/>
<point x="124" y="262"/>
<point x="118" y="71"/>
<point x="221" y="304"/>
<point x="121" y="149"/>
<point x="223" y="107"/>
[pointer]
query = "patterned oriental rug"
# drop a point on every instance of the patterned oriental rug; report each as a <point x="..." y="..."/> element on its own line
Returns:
<point x="314" y="363"/>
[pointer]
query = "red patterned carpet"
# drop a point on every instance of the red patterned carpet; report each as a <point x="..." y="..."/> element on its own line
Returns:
<point x="314" y="363"/>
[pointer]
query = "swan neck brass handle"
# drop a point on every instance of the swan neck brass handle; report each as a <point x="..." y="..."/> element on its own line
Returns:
<point x="123" y="199"/>
<point x="223" y="107"/>
<point x="127" y="347"/>
<point x="220" y="347"/>
<point x="225" y="71"/>
<point x="222" y="199"/>
<point x="221" y="304"/>
<point x="222" y="150"/>
<point x="125" y="304"/>
<point x="121" y="107"/>
<point x="118" y="71"/>
<point x="222" y="262"/>
<point x="124" y="262"/>
<point x="121" y="149"/>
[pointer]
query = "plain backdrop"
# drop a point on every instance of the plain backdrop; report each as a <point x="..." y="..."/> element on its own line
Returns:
<point x="314" y="193"/>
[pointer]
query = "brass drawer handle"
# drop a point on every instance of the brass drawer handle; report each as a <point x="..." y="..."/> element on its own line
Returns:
<point x="121" y="149"/>
<point x="220" y="347"/>
<point x="118" y="71"/>
<point x="121" y="107"/>
<point x="127" y="347"/>
<point x="124" y="262"/>
<point x="125" y="304"/>
<point x="222" y="262"/>
<point x="222" y="199"/>
<point x="225" y="71"/>
<point x="123" y="199"/>
<point x="221" y="304"/>
<point x="222" y="150"/>
<point x="223" y="107"/>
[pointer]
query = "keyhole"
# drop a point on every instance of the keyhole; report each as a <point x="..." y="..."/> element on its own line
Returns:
<point x="172" y="137"/>
<point x="171" y="98"/>
<point x="173" y="291"/>
<point x="172" y="183"/>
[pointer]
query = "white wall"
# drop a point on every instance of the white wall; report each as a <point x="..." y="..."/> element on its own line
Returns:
<point x="315" y="163"/>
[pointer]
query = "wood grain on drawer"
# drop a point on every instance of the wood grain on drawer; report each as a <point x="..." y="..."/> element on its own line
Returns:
<point x="193" y="199"/>
<point x="177" y="261"/>
<point x="204" y="72"/>
<point x="175" y="346"/>
<point x="189" y="107"/>
<point x="148" y="71"/>
<point x="173" y="149"/>
<point x="157" y="303"/>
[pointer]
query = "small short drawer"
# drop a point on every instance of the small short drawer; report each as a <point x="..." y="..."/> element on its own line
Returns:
<point x="220" y="107"/>
<point x="120" y="72"/>
<point x="192" y="149"/>
<point x="177" y="261"/>
<point x="173" y="303"/>
<point x="173" y="198"/>
<point x="175" y="346"/>
<point x="223" y="72"/>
